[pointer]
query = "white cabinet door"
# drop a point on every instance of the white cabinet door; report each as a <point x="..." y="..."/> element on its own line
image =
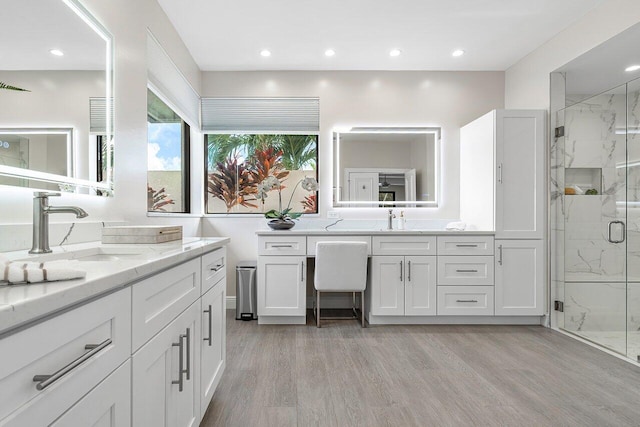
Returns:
<point x="520" y="136"/>
<point x="107" y="405"/>
<point x="281" y="286"/>
<point x="420" y="286"/>
<point x="387" y="285"/>
<point x="363" y="186"/>
<point x="212" y="345"/>
<point x="519" y="286"/>
<point x="157" y="371"/>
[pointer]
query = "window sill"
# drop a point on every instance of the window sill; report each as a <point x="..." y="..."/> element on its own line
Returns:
<point x="173" y="215"/>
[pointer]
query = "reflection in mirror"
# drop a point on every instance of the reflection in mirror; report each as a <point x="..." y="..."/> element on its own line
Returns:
<point x="386" y="167"/>
<point x="62" y="58"/>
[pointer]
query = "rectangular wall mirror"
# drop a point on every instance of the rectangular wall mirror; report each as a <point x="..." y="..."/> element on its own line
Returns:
<point x="56" y="98"/>
<point x="386" y="167"/>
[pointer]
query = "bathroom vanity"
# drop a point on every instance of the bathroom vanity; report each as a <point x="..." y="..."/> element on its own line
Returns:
<point x="140" y="341"/>
<point x="414" y="276"/>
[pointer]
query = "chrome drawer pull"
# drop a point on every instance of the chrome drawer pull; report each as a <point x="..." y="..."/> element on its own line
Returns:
<point x="401" y="262"/>
<point x="409" y="271"/>
<point x="188" y="370"/>
<point x="217" y="267"/>
<point x="180" y="346"/>
<point x="466" y="300"/>
<point x="466" y="246"/>
<point x="210" y="325"/>
<point x="500" y="251"/>
<point x="45" y="381"/>
<point x="282" y="246"/>
<point x="466" y="271"/>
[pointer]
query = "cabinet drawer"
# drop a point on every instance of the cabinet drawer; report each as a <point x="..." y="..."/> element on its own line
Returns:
<point x="312" y="240"/>
<point x="465" y="245"/>
<point x="46" y="348"/>
<point x="161" y="298"/>
<point x="214" y="268"/>
<point x="466" y="270"/>
<point x="465" y="300"/>
<point x="404" y="245"/>
<point x="282" y="245"/>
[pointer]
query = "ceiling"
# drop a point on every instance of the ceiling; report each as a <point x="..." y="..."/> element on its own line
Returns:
<point x="29" y="29"/>
<point x="603" y="67"/>
<point x="495" y="34"/>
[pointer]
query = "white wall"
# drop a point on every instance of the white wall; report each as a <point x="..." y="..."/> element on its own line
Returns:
<point x="527" y="82"/>
<point x="128" y="22"/>
<point x="364" y="98"/>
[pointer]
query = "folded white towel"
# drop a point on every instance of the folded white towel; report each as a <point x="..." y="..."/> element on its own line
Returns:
<point x="33" y="272"/>
<point x="456" y="226"/>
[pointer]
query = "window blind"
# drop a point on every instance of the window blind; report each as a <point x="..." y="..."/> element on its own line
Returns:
<point x="98" y="116"/>
<point x="260" y="115"/>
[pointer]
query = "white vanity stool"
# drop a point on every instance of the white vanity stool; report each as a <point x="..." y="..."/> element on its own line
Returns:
<point x="340" y="267"/>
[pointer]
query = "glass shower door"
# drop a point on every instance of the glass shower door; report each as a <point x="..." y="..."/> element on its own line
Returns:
<point x="633" y="219"/>
<point x="594" y="210"/>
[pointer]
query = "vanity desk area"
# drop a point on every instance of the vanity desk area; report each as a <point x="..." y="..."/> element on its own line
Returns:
<point x="414" y="277"/>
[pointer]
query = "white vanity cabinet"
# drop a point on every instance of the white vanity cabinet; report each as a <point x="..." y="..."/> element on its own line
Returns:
<point x="403" y="285"/>
<point x="282" y="288"/>
<point x="519" y="277"/>
<point x="79" y="348"/>
<point x="166" y="386"/>
<point x="154" y="363"/>
<point x="502" y="173"/>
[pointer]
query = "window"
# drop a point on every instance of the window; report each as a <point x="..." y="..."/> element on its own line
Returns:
<point x="237" y="165"/>
<point x="167" y="159"/>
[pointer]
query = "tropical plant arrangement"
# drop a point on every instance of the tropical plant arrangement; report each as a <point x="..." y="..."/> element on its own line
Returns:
<point x="232" y="183"/>
<point x="157" y="200"/>
<point x="282" y="219"/>
<point x="310" y="204"/>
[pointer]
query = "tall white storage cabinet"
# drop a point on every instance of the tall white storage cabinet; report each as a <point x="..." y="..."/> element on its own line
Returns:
<point x="502" y="188"/>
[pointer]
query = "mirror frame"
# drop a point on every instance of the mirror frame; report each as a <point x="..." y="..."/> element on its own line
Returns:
<point x="105" y="187"/>
<point x="336" y="173"/>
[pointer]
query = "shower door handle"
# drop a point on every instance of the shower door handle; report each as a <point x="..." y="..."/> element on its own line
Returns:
<point x="624" y="231"/>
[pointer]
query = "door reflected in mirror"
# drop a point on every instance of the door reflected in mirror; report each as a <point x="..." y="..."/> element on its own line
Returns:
<point x="386" y="167"/>
<point x="56" y="72"/>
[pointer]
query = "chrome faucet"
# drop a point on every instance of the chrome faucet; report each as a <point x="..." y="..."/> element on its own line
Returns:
<point x="390" y="219"/>
<point x="41" y="212"/>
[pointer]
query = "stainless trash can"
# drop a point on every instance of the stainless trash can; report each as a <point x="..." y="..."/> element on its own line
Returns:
<point x="246" y="297"/>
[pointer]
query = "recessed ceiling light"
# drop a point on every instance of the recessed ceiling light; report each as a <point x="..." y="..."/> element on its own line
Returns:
<point x="329" y="52"/>
<point x="633" y="68"/>
<point x="457" y="52"/>
<point x="265" y="52"/>
<point x="56" y="52"/>
<point x="395" y="52"/>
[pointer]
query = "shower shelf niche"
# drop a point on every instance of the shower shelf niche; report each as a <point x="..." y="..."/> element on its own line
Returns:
<point x="580" y="180"/>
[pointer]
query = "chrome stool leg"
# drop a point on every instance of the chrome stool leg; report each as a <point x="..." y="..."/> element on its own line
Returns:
<point x="317" y="309"/>
<point x="362" y="308"/>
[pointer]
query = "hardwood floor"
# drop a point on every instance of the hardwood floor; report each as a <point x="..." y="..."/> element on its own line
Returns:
<point x="342" y="375"/>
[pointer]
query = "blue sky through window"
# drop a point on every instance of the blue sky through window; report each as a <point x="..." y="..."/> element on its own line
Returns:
<point x="165" y="146"/>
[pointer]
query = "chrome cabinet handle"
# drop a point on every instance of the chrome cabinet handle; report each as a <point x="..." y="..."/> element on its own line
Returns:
<point x="188" y="370"/>
<point x="500" y="173"/>
<point x="180" y="346"/>
<point x="409" y="270"/>
<point x="466" y="300"/>
<point x="208" y="310"/>
<point x="217" y="267"/>
<point x="302" y="270"/>
<point x="282" y="246"/>
<point x="45" y="381"/>
<point x="466" y="271"/>
<point x="401" y="262"/>
<point x="500" y="256"/>
<point x="466" y="246"/>
<point x="624" y="231"/>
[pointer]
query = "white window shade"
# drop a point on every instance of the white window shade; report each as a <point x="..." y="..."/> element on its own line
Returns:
<point x="260" y="115"/>
<point x="98" y="116"/>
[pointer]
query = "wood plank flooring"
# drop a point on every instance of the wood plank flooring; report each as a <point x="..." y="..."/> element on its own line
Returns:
<point x="342" y="375"/>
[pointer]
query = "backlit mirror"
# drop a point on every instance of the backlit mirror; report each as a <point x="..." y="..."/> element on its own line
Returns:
<point x="386" y="167"/>
<point x="56" y="98"/>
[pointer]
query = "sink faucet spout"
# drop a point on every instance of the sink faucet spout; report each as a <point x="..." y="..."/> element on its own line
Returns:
<point x="41" y="212"/>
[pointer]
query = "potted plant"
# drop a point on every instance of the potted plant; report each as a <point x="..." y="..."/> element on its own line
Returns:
<point x="282" y="219"/>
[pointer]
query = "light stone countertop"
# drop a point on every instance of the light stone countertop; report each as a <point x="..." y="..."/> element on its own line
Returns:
<point x="21" y="305"/>
<point x="365" y="232"/>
